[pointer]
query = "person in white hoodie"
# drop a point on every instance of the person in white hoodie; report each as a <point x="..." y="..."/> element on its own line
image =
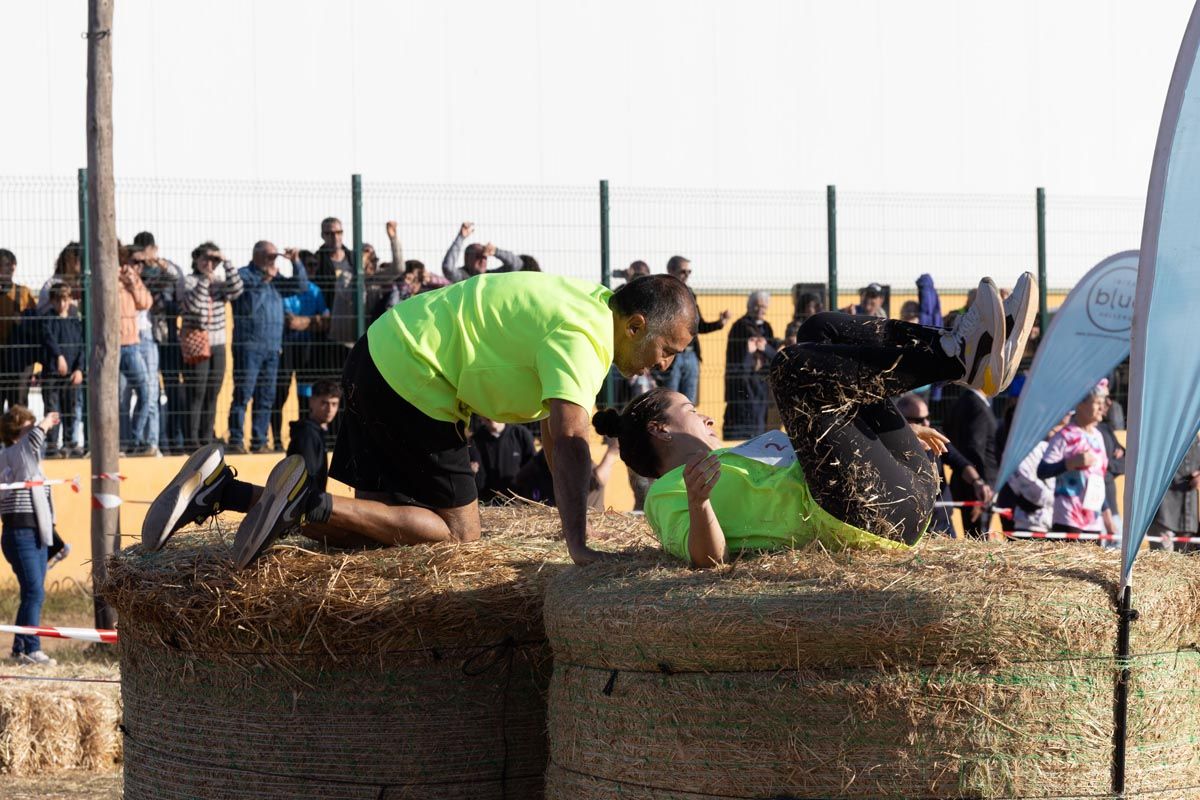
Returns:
<point x="1032" y="498"/>
<point x="28" y="521"/>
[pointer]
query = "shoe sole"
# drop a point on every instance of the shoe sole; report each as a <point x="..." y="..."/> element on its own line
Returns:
<point x="1023" y="319"/>
<point x="987" y="370"/>
<point x="260" y="527"/>
<point x="168" y="507"/>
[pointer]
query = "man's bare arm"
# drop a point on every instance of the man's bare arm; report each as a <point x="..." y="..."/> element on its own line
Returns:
<point x="571" y="466"/>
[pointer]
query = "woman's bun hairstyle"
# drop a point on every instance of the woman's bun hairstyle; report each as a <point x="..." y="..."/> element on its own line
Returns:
<point x="607" y="422"/>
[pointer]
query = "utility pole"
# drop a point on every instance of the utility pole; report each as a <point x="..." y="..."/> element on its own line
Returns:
<point x="104" y="358"/>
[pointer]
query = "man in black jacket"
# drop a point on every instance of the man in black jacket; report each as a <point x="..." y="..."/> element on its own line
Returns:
<point x="684" y="374"/>
<point x="308" y="433"/>
<point x="972" y="429"/>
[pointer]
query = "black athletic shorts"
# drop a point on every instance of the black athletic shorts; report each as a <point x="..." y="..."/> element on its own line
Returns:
<point x="387" y="445"/>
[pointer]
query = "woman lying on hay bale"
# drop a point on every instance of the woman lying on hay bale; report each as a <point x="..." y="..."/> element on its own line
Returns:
<point x="855" y="473"/>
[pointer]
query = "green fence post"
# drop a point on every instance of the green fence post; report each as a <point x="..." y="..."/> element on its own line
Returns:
<point x="605" y="274"/>
<point x="360" y="295"/>
<point x="1043" y="312"/>
<point x="831" y="233"/>
<point x="85" y="265"/>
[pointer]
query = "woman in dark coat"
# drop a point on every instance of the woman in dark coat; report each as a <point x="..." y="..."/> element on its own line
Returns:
<point x="748" y="354"/>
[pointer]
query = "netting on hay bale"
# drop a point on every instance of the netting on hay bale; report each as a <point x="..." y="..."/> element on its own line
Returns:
<point x="394" y="672"/>
<point x="47" y="726"/>
<point x="958" y="670"/>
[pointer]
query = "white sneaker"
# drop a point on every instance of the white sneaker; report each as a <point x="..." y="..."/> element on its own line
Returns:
<point x="1020" y="311"/>
<point x="36" y="658"/>
<point x="977" y="340"/>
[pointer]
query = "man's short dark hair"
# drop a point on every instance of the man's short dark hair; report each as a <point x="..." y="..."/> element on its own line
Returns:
<point x="661" y="299"/>
<point x="327" y="388"/>
<point x="7" y="259"/>
<point x="473" y="252"/>
<point x="639" y="265"/>
<point x="144" y="239"/>
<point x="675" y="263"/>
<point x="529" y="264"/>
<point x="330" y="221"/>
<point x="412" y="265"/>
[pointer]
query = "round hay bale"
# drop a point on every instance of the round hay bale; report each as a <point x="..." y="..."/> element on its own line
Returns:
<point x="52" y="725"/>
<point x="395" y="672"/>
<point x="958" y="670"/>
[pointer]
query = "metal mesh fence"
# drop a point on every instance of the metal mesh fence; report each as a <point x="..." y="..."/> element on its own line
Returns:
<point x="738" y="241"/>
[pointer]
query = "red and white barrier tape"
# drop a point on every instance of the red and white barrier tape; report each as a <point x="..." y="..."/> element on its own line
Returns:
<point x="81" y="634"/>
<point x="73" y="483"/>
<point x="1094" y="537"/>
<point x="102" y="500"/>
<point x="109" y="476"/>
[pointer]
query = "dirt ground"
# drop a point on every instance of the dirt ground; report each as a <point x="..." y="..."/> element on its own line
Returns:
<point x="64" y="786"/>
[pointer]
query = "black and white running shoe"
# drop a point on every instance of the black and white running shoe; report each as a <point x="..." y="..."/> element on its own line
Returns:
<point x="978" y="340"/>
<point x="193" y="495"/>
<point x="1020" y="311"/>
<point x="277" y="512"/>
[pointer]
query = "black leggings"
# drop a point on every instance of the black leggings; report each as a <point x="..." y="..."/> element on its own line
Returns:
<point x="862" y="462"/>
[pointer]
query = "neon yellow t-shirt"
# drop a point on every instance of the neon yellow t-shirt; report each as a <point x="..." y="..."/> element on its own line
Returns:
<point x="761" y="500"/>
<point x="500" y="345"/>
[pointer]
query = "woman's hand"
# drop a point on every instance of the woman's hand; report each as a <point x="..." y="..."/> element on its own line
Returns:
<point x="1081" y="461"/>
<point x="49" y="421"/>
<point x="699" y="477"/>
<point x="931" y="440"/>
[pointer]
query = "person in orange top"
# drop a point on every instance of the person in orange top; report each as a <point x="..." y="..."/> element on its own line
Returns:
<point x="134" y="297"/>
<point x="15" y="300"/>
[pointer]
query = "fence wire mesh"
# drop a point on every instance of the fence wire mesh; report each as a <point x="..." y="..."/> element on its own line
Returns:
<point x="737" y="241"/>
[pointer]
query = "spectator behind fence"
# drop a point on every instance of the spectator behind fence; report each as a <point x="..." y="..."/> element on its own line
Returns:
<point x="68" y="269"/>
<point x="335" y="276"/>
<point x="503" y="451"/>
<point x="870" y="302"/>
<point x="305" y="318"/>
<point x="15" y="302"/>
<point x="203" y="294"/>
<point x="162" y="277"/>
<point x="62" y="371"/>
<point x="258" y="340"/>
<point x="28" y="522"/>
<point x="807" y="305"/>
<point x="1077" y="460"/>
<point x="915" y="411"/>
<point x="748" y="353"/>
<point x="475" y="259"/>
<point x="636" y="269"/>
<point x="972" y="430"/>
<point x="1031" y="498"/>
<point x="683" y="376"/>
<point x="1177" y="513"/>
<point x="147" y="348"/>
<point x="1116" y="462"/>
<point x="133" y="298"/>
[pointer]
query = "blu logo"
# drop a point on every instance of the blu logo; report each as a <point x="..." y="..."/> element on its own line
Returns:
<point x="1110" y="300"/>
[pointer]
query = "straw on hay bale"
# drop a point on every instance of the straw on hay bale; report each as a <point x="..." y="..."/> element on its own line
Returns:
<point x="47" y="726"/>
<point x="959" y="670"/>
<point x="394" y="672"/>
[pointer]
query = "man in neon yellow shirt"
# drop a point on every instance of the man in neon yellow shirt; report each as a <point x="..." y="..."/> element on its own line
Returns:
<point x="518" y="347"/>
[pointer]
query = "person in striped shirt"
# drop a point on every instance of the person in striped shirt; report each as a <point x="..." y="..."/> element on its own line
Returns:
<point x="27" y="516"/>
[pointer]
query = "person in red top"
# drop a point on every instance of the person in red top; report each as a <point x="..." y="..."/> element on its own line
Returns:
<point x="133" y="297"/>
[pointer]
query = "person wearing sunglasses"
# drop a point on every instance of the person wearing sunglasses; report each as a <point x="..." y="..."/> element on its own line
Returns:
<point x="204" y="292"/>
<point x="684" y="374"/>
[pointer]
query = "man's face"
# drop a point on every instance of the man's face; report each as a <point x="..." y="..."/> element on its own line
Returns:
<point x="918" y="414"/>
<point x="7" y="271"/>
<point x="683" y="271"/>
<point x="323" y="408"/>
<point x="872" y="303"/>
<point x="638" y="349"/>
<point x="638" y="271"/>
<point x="331" y="235"/>
<point x="266" y="260"/>
<point x="151" y="251"/>
<point x="758" y="309"/>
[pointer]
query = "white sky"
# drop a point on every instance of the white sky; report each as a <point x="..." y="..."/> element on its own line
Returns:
<point x="887" y="99"/>
<point x="885" y="95"/>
